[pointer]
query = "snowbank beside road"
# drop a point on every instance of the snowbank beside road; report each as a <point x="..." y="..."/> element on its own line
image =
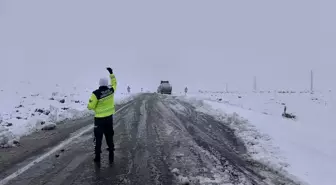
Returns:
<point x="303" y="147"/>
<point x="22" y="113"/>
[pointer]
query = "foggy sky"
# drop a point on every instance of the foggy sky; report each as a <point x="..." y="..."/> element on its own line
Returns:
<point x="195" y="43"/>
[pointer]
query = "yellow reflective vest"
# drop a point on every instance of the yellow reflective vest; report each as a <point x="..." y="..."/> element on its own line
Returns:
<point x="102" y="100"/>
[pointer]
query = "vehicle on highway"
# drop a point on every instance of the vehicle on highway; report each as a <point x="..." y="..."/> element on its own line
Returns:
<point x="164" y="87"/>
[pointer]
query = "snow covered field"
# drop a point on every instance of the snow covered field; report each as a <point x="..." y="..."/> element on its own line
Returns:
<point x="26" y="108"/>
<point x="304" y="147"/>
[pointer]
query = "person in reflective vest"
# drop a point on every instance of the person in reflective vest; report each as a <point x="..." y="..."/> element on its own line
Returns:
<point x="102" y="103"/>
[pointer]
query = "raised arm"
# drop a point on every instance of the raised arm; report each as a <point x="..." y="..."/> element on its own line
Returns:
<point x="113" y="79"/>
<point x="113" y="82"/>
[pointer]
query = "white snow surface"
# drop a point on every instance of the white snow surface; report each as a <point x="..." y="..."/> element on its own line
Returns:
<point x="303" y="149"/>
<point x="25" y="108"/>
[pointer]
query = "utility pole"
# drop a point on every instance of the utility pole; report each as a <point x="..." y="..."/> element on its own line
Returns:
<point x="311" y="82"/>
<point x="255" y="84"/>
<point x="227" y="88"/>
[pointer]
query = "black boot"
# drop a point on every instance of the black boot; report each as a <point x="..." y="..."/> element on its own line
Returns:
<point x="97" y="159"/>
<point x="111" y="157"/>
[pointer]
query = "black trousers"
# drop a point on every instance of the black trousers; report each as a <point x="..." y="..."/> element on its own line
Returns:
<point x="103" y="126"/>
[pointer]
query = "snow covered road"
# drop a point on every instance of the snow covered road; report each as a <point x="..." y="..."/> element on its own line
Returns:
<point x="159" y="140"/>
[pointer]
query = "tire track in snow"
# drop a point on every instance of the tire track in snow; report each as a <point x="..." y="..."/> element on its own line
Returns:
<point x="220" y="140"/>
<point x="192" y="162"/>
